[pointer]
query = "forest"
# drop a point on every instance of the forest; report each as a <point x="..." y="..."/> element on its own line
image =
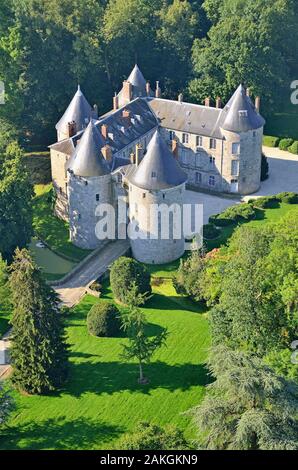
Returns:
<point x="199" y="48"/>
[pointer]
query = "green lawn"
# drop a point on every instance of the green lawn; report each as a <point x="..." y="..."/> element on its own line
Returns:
<point x="53" y="231"/>
<point x="103" y="399"/>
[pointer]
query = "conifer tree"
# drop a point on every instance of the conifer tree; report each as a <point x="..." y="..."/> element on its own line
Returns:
<point x="39" y="352"/>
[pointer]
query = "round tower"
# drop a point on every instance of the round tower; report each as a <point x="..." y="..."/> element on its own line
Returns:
<point x="156" y="194"/>
<point x="242" y="128"/>
<point x="89" y="185"/>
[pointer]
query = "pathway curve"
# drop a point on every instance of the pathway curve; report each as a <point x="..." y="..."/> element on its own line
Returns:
<point x="72" y="290"/>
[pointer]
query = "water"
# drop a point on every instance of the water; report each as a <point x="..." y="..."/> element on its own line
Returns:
<point x="47" y="260"/>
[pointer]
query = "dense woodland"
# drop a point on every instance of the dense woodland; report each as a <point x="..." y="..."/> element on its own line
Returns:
<point x="200" y="48"/>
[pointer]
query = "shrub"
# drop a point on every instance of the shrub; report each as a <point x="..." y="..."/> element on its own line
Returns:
<point x="270" y="141"/>
<point x="210" y="231"/>
<point x="103" y="320"/>
<point x="288" y="198"/>
<point x="233" y="215"/>
<point x="284" y="144"/>
<point x="294" y="148"/>
<point x="264" y="168"/>
<point x="266" y="202"/>
<point x="125" y="273"/>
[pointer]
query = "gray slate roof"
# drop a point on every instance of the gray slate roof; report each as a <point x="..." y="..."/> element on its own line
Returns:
<point x="240" y="114"/>
<point x="79" y="110"/>
<point x="159" y="169"/>
<point x="88" y="160"/>
<point x="138" y="82"/>
<point x="187" y="117"/>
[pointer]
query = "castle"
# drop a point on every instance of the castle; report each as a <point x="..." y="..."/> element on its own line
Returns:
<point x="146" y="149"/>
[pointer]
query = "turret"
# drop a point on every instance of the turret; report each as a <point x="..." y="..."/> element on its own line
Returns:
<point x="156" y="189"/>
<point x="242" y="128"/>
<point x="135" y="86"/>
<point x="89" y="184"/>
<point x="76" y="116"/>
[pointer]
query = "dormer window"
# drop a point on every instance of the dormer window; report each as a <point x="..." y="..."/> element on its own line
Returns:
<point x="185" y="138"/>
<point x="153" y="174"/>
<point x="242" y="113"/>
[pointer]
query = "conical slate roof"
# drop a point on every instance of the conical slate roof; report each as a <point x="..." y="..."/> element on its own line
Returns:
<point x="79" y="110"/>
<point x="88" y="159"/>
<point x="240" y="114"/>
<point x="159" y="168"/>
<point x="138" y="81"/>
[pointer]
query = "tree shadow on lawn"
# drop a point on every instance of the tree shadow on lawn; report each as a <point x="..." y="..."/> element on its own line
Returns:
<point x="112" y="377"/>
<point x="57" y="433"/>
<point x="163" y="302"/>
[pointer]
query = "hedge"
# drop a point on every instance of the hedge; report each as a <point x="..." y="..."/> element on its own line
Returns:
<point x="270" y="141"/>
<point x="294" y="148"/>
<point x="284" y="144"/>
<point x="232" y="215"/>
<point x="210" y="231"/>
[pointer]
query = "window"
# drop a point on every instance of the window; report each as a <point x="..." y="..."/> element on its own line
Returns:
<point x="119" y="178"/>
<point x="163" y="196"/>
<point x="197" y="160"/>
<point x="199" y="141"/>
<point x="172" y="135"/>
<point x="235" y="148"/>
<point x="212" y="161"/>
<point x="184" y="158"/>
<point x="254" y="133"/>
<point x="212" y="143"/>
<point x="153" y="174"/>
<point x="144" y="195"/>
<point x="97" y="197"/>
<point x="185" y="138"/>
<point x="235" y="167"/>
<point x="211" y="181"/>
<point x="198" y="177"/>
<point x="242" y="113"/>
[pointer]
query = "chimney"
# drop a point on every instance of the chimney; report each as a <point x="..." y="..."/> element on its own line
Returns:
<point x="175" y="148"/>
<point x="107" y="153"/>
<point x="95" y="111"/>
<point x="157" y="91"/>
<point x="180" y="97"/>
<point x="258" y="103"/>
<point x="218" y="102"/>
<point x="115" y="102"/>
<point x="126" y="118"/>
<point x="207" y="101"/>
<point x="71" y="129"/>
<point x="127" y="90"/>
<point x="148" y="89"/>
<point x="104" y="131"/>
<point x="139" y="154"/>
<point x="247" y="91"/>
<point x="132" y="158"/>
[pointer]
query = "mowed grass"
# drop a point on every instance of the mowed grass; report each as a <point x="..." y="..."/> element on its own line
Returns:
<point x="53" y="231"/>
<point x="102" y="399"/>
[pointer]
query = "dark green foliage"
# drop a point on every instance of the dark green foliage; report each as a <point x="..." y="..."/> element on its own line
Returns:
<point x="284" y="144"/>
<point x="125" y="273"/>
<point x="294" y="148"/>
<point x="16" y="194"/>
<point x="190" y="276"/>
<point x="103" y="320"/>
<point x="248" y="406"/>
<point x="233" y="215"/>
<point x="152" y="437"/>
<point x="264" y="168"/>
<point x="38" y="353"/>
<point x="265" y="202"/>
<point x="6" y="404"/>
<point x="288" y="197"/>
<point x="210" y="231"/>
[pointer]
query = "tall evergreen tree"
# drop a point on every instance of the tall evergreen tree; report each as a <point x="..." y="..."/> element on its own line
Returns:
<point x="39" y="351"/>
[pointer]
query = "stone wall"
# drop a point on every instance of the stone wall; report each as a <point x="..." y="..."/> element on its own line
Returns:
<point x="59" y="178"/>
<point x="155" y="251"/>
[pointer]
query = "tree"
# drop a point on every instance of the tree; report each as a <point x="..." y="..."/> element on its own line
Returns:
<point x="38" y="352"/>
<point x="5" y="304"/>
<point x="140" y="345"/>
<point x="149" y="436"/>
<point x="16" y="194"/>
<point x="127" y="273"/>
<point x="264" y="168"/>
<point x="6" y="404"/>
<point x="248" y="43"/>
<point x="104" y="320"/>
<point x="190" y="275"/>
<point x="248" y="406"/>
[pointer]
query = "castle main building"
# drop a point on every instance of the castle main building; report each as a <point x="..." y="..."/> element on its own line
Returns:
<point x="147" y="148"/>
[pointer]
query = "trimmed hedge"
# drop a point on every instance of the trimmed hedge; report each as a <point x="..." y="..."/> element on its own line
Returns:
<point x="266" y="202"/>
<point x="124" y="273"/>
<point x="233" y="215"/>
<point x="103" y="320"/>
<point x="288" y="198"/>
<point x="284" y="144"/>
<point x="210" y="231"/>
<point x="270" y="141"/>
<point x="294" y="148"/>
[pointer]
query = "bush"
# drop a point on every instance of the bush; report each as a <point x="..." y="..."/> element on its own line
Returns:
<point x="232" y="215"/>
<point x="284" y="144"/>
<point x="126" y="272"/>
<point x="210" y="231"/>
<point x="270" y="141"/>
<point x="266" y="202"/>
<point x="294" y="148"/>
<point x="103" y="320"/>
<point x="288" y="198"/>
